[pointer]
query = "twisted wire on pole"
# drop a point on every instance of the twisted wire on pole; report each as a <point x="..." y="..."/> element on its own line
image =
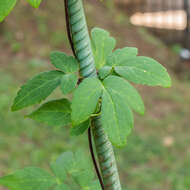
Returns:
<point x="106" y="157"/>
<point x="80" y="38"/>
<point x="80" y="42"/>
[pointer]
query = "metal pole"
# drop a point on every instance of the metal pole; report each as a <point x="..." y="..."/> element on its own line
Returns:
<point x="80" y="40"/>
<point x="187" y="29"/>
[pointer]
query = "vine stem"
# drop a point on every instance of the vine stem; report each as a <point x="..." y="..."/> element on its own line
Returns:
<point x="68" y="28"/>
<point x="94" y="159"/>
<point x="89" y="129"/>
<point x="81" y="46"/>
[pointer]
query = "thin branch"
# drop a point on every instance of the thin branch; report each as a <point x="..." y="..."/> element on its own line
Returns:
<point x="68" y="28"/>
<point x="93" y="158"/>
<point x="89" y="130"/>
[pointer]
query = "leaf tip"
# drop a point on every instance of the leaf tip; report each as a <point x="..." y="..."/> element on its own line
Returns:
<point x="14" y="108"/>
<point x="142" y="112"/>
<point x="120" y="145"/>
<point x="1" y="19"/>
<point x="168" y="83"/>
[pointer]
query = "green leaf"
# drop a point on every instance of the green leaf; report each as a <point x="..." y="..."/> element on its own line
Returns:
<point x="104" y="71"/>
<point x="6" y="7"/>
<point x="82" y="170"/>
<point x="144" y="70"/>
<point x="102" y="45"/>
<point x="125" y="91"/>
<point x="80" y="129"/>
<point x="63" y="164"/>
<point x="67" y="64"/>
<point x="62" y="187"/>
<point x="81" y="163"/>
<point x="120" y="55"/>
<point x="54" y="113"/>
<point x="68" y="83"/>
<point x="95" y="185"/>
<point x="116" y="117"/>
<point x="85" y="100"/>
<point x="37" y="89"/>
<point x="76" y="166"/>
<point x="28" y="179"/>
<point x="83" y="177"/>
<point x="35" y="3"/>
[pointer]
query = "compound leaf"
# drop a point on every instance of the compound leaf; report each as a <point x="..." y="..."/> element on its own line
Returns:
<point x="102" y="45"/>
<point x="65" y="63"/>
<point x="6" y="7"/>
<point x="37" y="89"/>
<point x="125" y="91"/>
<point x="144" y="70"/>
<point x="76" y="166"/>
<point x="85" y="100"/>
<point x="28" y="179"/>
<point x="82" y="170"/>
<point x="35" y="3"/>
<point x="83" y="177"/>
<point x="80" y="129"/>
<point x="116" y="117"/>
<point x="68" y="83"/>
<point x="120" y="55"/>
<point x="62" y="165"/>
<point x="54" y="113"/>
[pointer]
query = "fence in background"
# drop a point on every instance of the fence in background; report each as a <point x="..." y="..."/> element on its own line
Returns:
<point x="169" y="19"/>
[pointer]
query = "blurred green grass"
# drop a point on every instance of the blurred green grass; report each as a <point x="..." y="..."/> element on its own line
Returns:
<point x="158" y="150"/>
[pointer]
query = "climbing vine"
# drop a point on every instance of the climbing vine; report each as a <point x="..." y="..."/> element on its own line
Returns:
<point x="103" y="100"/>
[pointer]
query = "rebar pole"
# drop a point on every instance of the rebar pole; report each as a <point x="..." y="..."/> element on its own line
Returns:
<point x="187" y="29"/>
<point x="82" y="48"/>
<point x="186" y="8"/>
